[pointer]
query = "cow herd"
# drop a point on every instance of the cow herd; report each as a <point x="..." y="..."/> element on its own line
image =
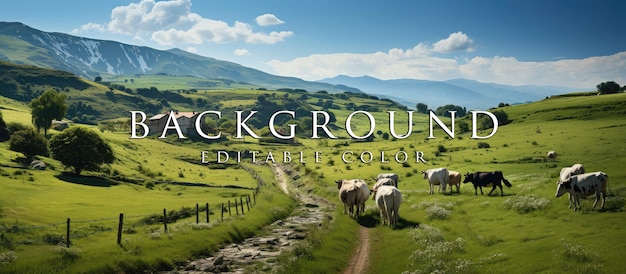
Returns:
<point x="577" y="183"/>
<point x="354" y="193"/>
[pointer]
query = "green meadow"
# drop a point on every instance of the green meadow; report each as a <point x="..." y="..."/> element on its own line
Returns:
<point x="526" y="230"/>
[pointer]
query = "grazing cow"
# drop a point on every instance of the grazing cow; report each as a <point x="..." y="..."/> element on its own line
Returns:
<point x="392" y="176"/>
<point x="437" y="176"/>
<point x="353" y="193"/>
<point x="551" y="156"/>
<point x="584" y="185"/>
<point x="454" y="179"/>
<point x="566" y="172"/>
<point x="385" y="182"/>
<point x="485" y="179"/>
<point x="362" y="196"/>
<point x="388" y="199"/>
<point x="348" y="192"/>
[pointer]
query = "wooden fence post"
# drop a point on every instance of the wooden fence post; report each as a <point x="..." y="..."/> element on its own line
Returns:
<point x="119" y="229"/>
<point x="236" y="207"/>
<point x="222" y="212"/>
<point x="207" y="213"/>
<point x="67" y="235"/>
<point x="241" y="203"/>
<point x="229" y="214"/>
<point x="197" y="214"/>
<point x="165" y="219"/>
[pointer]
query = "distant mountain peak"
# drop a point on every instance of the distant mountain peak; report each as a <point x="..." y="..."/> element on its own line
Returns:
<point x="89" y="58"/>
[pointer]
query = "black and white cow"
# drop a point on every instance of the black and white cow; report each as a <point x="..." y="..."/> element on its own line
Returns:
<point x="584" y="185"/>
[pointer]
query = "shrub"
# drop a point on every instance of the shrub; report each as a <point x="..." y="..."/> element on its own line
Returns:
<point x="526" y="204"/>
<point x="441" y="148"/>
<point x="29" y="143"/>
<point x="483" y="145"/>
<point x="437" y="212"/>
<point x="7" y="257"/>
<point x="433" y="255"/>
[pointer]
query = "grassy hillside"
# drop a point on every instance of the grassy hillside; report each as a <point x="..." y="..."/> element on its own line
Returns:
<point x="527" y="229"/>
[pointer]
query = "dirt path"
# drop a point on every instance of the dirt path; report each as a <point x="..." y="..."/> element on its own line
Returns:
<point x="257" y="254"/>
<point x="359" y="263"/>
<point x="281" y="178"/>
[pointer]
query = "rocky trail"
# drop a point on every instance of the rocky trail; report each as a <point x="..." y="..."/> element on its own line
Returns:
<point x="257" y="254"/>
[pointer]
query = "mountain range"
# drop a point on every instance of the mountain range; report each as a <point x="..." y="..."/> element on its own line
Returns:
<point x="89" y="58"/>
<point x="467" y="93"/>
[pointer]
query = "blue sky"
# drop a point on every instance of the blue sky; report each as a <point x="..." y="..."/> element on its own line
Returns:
<point x="566" y="43"/>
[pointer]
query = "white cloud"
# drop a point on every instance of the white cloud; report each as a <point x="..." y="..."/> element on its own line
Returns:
<point x="242" y="52"/>
<point x="89" y="27"/>
<point x="172" y="23"/>
<point x="192" y="49"/>
<point x="418" y="63"/>
<point x="457" y="41"/>
<point x="268" y="20"/>
<point x="148" y="16"/>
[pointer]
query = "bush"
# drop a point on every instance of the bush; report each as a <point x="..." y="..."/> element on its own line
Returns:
<point x="433" y="255"/>
<point x="441" y="148"/>
<point x="526" y="204"/>
<point x="437" y="212"/>
<point x="29" y="143"/>
<point x="483" y="145"/>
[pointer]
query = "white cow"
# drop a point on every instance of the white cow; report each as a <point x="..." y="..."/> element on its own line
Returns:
<point x="388" y="199"/>
<point x="392" y="176"/>
<point x="362" y="196"/>
<point x="385" y="182"/>
<point x="437" y="176"/>
<point x="551" y="156"/>
<point x="353" y="193"/>
<point x="584" y="185"/>
<point x="566" y="172"/>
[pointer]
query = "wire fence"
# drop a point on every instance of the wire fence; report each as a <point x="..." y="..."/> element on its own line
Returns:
<point x="64" y="232"/>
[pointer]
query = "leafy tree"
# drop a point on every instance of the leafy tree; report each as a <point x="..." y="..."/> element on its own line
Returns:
<point x="608" y="87"/>
<point x="422" y="108"/>
<point x="81" y="149"/>
<point x="29" y="143"/>
<point x="443" y="111"/>
<point x="97" y="79"/>
<point x="486" y="122"/>
<point x="47" y="107"/>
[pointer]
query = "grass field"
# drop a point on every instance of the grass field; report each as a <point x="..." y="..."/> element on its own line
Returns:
<point x="526" y="230"/>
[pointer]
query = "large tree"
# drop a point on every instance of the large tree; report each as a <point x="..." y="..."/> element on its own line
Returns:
<point x="81" y="149"/>
<point x="422" y="108"/>
<point x="608" y="87"/>
<point x="47" y="107"/>
<point x="29" y="143"/>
